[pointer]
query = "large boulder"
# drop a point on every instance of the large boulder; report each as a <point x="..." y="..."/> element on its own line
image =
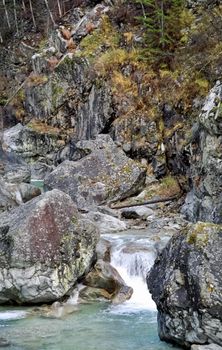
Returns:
<point x="186" y="284"/>
<point x="104" y="175"/>
<point x="45" y="246"/>
<point x="204" y="202"/>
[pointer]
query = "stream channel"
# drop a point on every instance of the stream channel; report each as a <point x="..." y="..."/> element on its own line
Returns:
<point x="96" y="326"/>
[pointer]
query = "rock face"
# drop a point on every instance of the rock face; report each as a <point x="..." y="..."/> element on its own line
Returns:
<point x="32" y="144"/>
<point x="186" y="284"/>
<point x="45" y="246"/>
<point x="104" y="175"/>
<point x="204" y="202"/>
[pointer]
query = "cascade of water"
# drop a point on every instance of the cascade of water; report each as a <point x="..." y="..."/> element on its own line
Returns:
<point x="133" y="258"/>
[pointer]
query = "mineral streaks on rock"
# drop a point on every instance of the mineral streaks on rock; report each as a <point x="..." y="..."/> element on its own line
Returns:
<point x="45" y="247"/>
<point x="186" y="284"/>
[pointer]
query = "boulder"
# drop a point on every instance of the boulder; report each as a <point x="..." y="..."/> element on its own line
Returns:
<point x="45" y="246"/>
<point x="106" y="223"/>
<point x="7" y="198"/>
<point x="186" y="284"/>
<point x="103" y="176"/>
<point x="204" y="202"/>
<point x="140" y="212"/>
<point x="94" y="294"/>
<point x="105" y="277"/>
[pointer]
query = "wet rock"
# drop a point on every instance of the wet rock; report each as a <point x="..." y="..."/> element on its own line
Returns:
<point x="56" y="310"/>
<point x="94" y="294"/>
<point x="204" y="201"/>
<point x="186" y="284"/>
<point x="45" y="246"/>
<point x="106" y="223"/>
<point x="124" y="294"/>
<point x="103" y="250"/>
<point x="140" y="212"/>
<point x="103" y="176"/>
<point x="104" y="276"/>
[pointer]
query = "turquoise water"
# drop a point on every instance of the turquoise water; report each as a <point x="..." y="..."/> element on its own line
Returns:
<point x="92" y="327"/>
<point x="98" y="326"/>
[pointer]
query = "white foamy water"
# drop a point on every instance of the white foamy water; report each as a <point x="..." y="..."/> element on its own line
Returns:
<point x="12" y="315"/>
<point x="133" y="257"/>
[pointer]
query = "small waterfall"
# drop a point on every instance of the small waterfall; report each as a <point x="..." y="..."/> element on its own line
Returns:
<point x="133" y="257"/>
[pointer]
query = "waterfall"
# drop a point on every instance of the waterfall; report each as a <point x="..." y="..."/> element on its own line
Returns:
<point x="133" y="257"/>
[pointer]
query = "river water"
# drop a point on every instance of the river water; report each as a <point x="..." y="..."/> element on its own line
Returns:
<point x="96" y="326"/>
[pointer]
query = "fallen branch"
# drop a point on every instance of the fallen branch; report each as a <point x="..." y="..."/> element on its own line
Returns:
<point x="152" y="201"/>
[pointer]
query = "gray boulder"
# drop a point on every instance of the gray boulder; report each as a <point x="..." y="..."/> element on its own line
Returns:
<point x="105" y="175"/>
<point x="186" y="284"/>
<point x="45" y="246"/>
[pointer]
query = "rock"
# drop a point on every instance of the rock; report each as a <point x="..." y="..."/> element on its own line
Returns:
<point x="140" y="212"/>
<point x="46" y="245"/>
<point x="40" y="170"/>
<point x="206" y="347"/>
<point x="56" y="310"/>
<point x="186" y="284"/>
<point x="4" y="343"/>
<point x="92" y="18"/>
<point x="15" y="173"/>
<point x="105" y="277"/>
<point x="124" y="294"/>
<point x="7" y="200"/>
<point x="79" y="105"/>
<point x="94" y="294"/>
<point x="106" y="223"/>
<point x="204" y="202"/>
<point x="103" y="176"/>
<point x="103" y="250"/>
<point x="28" y="192"/>
<point x="30" y="143"/>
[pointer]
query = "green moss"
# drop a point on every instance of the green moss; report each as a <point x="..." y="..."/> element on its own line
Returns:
<point x="106" y="36"/>
<point x="200" y="234"/>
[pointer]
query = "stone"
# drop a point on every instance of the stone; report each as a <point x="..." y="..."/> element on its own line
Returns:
<point x="105" y="277"/>
<point x="140" y="212"/>
<point x="28" y="192"/>
<point x="94" y="294"/>
<point x="7" y="199"/>
<point x="103" y="249"/>
<point x="204" y="202"/>
<point x="31" y="144"/>
<point x="186" y="284"/>
<point x="206" y="347"/>
<point x="103" y="176"/>
<point x="45" y="246"/>
<point x="106" y="223"/>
